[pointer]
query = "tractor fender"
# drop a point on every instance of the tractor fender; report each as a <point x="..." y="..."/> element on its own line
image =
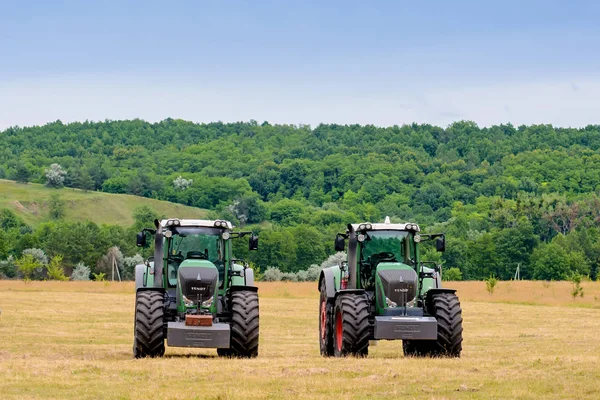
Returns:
<point x="327" y="276"/>
<point x="249" y="276"/>
<point x="238" y="288"/>
<point x="349" y="291"/>
<point x="140" y="270"/>
<point x="433" y="292"/>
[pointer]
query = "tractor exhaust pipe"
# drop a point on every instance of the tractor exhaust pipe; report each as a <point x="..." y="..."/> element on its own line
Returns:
<point x="158" y="255"/>
<point x="352" y="246"/>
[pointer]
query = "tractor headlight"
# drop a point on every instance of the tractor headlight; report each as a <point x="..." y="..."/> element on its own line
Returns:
<point x="168" y="234"/>
<point x="390" y="303"/>
<point x="417" y="238"/>
<point x="368" y="227"/>
<point x="361" y="238"/>
<point x="170" y="222"/>
<point x="187" y="302"/>
<point x="177" y="222"/>
<point x="362" y="227"/>
<point x="207" y="303"/>
<point x="226" y="235"/>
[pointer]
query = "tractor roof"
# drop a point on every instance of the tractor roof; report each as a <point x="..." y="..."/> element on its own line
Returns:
<point x="205" y="223"/>
<point x="388" y="226"/>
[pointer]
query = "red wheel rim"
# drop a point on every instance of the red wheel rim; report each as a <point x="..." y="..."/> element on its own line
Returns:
<point x="323" y="320"/>
<point x="338" y="331"/>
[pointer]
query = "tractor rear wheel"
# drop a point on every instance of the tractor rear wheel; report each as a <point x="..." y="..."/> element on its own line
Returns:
<point x="325" y="325"/>
<point x="352" y="329"/>
<point x="244" y="324"/>
<point x="149" y="340"/>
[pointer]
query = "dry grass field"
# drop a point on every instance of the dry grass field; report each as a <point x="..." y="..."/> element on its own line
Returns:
<point x="529" y="340"/>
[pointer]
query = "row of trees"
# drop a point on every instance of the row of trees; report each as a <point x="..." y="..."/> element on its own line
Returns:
<point x="505" y="196"/>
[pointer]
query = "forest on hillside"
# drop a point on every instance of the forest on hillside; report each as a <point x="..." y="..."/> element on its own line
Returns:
<point x="505" y="196"/>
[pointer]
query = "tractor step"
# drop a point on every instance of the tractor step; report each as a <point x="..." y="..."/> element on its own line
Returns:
<point x="405" y="327"/>
<point x="215" y="336"/>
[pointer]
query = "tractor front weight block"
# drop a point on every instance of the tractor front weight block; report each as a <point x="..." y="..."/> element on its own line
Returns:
<point x="404" y="327"/>
<point x="215" y="336"/>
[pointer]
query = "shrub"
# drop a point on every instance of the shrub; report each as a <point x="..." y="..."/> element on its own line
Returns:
<point x="490" y="284"/>
<point x="8" y="269"/>
<point x="39" y="273"/>
<point x="272" y="275"/>
<point x="452" y="274"/>
<point x="289" y="277"/>
<point x="27" y="264"/>
<point x="302" y="276"/>
<point x="81" y="273"/>
<point x="99" y="277"/>
<point x="577" y="290"/>
<point x="56" y="271"/>
<point x="129" y="264"/>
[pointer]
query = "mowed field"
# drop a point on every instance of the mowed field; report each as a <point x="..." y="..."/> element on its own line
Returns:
<point x="529" y="340"/>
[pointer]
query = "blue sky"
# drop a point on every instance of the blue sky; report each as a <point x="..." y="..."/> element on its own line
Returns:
<point x="384" y="63"/>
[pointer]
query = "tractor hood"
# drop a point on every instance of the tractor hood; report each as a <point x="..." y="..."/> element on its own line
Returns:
<point x="196" y="280"/>
<point x="396" y="282"/>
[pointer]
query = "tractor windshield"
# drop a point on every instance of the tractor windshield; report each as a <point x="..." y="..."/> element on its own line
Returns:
<point x="193" y="243"/>
<point x="384" y="245"/>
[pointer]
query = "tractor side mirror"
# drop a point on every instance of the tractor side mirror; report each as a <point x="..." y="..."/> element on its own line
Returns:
<point x="440" y="243"/>
<point x="253" y="243"/>
<point x="141" y="239"/>
<point x="340" y="243"/>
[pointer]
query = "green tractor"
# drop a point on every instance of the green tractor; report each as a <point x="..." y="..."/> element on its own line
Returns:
<point x="193" y="293"/>
<point x="384" y="291"/>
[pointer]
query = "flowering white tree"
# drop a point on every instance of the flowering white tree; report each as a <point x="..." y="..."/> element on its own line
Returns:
<point x="55" y="175"/>
<point x="182" y="183"/>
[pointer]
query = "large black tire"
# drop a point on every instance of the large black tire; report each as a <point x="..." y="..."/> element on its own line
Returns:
<point x="352" y="329"/>
<point x="445" y="307"/>
<point x="325" y="322"/>
<point x="149" y="340"/>
<point x="244" y="324"/>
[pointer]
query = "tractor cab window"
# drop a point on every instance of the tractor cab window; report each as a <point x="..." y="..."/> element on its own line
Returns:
<point x="380" y="246"/>
<point x="384" y="246"/>
<point x="193" y="243"/>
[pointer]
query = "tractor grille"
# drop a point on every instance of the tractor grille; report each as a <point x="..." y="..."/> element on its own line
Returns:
<point x="198" y="289"/>
<point x="399" y="285"/>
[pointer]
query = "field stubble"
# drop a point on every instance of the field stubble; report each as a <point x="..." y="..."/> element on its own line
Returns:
<point x="528" y="340"/>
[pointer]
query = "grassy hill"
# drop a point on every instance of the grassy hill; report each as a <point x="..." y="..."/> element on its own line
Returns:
<point x="30" y="202"/>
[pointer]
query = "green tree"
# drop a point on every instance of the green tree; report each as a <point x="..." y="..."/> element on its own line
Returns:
<point x="27" y="264"/>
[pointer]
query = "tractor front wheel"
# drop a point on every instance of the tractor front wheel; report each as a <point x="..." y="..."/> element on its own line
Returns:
<point x="352" y="329"/>
<point x="244" y="324"/>
<point x="149" y="338"/>
<point x="445" y="307"/>
<point x="325" y="325"/>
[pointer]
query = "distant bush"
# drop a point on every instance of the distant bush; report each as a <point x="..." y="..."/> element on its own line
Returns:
<point x="272" y="275"/>
<point x="27" y="264"/>
<point x="452" y="274"/>
<point x="577" y="290"/>
<point x="8" y="269"/>
<point x="289" y="277"/>
<point x="309" y="275"/>
<point x="99" y="277"/>
<point x="490" y="284"/>
<point x="81" y="273"/>
<point x="55" y="269"/>
<point x="129" y="263"/>
<point x="39" y="273"/>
